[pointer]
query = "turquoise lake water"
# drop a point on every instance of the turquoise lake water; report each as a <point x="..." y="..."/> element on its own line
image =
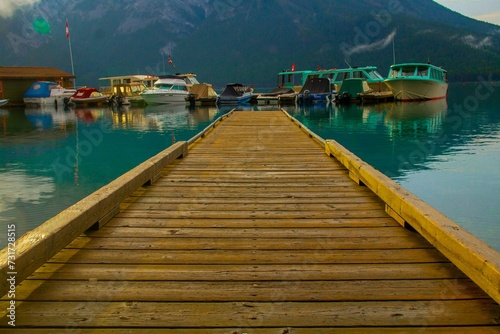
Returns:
<point x="446" y="152"/>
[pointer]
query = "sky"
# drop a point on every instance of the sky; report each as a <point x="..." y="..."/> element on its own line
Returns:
<point x="484" y="10"/>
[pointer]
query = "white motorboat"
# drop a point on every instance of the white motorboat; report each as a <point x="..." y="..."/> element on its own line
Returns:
<point x="168" y="89"/>
<point x="46" y="93"/>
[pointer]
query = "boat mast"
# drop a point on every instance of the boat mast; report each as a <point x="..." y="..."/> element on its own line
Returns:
<point x="393" y="51"/>
<point x="70" y="53"/>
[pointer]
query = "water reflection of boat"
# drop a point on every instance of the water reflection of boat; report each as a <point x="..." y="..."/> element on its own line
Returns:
<point x="151" y="109"/>
<point x="90" y="115"/>
<point x="416" y="119"/>
<point x="417" y="109"/>
<point x="315" y="111"/>
<point x="48" y="117"/>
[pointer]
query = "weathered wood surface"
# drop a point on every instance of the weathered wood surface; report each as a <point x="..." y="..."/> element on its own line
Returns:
<point x="476" y="259"/>
<point x="255" y="231"/>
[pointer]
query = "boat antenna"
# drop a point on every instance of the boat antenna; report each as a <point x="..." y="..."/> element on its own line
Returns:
<point x="347" y="63"/>
<point x="393" y="51"/>
<point x="68" y="37"/>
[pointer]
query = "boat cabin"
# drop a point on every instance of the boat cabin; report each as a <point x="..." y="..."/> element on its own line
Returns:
<point x="84" y="92"/>
<point x="292" y="79"/>
<point x="189" y="78"/>
<point x="106" y="84"/>
<point x="41" y="89"/>
<point x="417" y="70"/>
<point x="369" y="73"/>
<point x="171" y="83"/>
<point x="129" y="89"/>
<point x="297" y="79"/>
<point x="236" y="89"/>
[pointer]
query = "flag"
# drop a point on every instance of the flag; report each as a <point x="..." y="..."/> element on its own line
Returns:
<point x="293" y="67"/>
<point x="170" y="62"/>
<point x="67" y="29"/>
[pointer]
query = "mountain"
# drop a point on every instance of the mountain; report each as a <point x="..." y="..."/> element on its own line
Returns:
<point x="245" y="41"/>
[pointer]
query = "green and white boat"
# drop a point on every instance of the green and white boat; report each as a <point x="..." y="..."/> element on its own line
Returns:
<point x="417" y="81"/>
<point x="296" y="79"/>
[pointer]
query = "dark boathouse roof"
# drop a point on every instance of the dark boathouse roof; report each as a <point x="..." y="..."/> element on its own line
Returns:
<point x="30" y="72"/>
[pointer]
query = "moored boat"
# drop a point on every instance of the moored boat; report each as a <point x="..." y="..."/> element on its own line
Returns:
<point x="417" y="81"/>
<point x="315" y="90"/>
<point x="297" y="79"/>
<point x="167" y="89"/>
<point x="202" y="94"/>
<point x="368" y="73"/>
<point x="279" y="95"/>
<point x="199" y="93"/>
<point x="235" y="93"/>
<point x="46" y="93"/>
<point x="106" y="85"/>
<point x="87" y="96"/>
<point x="4" y="102"/>
<point x="351" y="90"/>
<point x="127" y="93"/>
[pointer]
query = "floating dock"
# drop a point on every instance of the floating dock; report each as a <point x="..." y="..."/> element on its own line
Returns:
<point x="251" y="228"/>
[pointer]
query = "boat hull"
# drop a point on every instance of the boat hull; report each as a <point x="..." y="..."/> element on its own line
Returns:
<point x="165" y="98"/>
<point x="89" y="100"/>
<point x="245" y="98"/>
<point x="414" y="90"/>
<point x="52" y="101"/>
<point x="314" y="98"/>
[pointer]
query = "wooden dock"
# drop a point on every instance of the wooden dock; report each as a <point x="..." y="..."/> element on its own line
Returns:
<point x="252" y="228"/>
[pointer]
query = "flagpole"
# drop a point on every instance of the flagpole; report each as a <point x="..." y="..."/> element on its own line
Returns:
<point x="68" y="36"/>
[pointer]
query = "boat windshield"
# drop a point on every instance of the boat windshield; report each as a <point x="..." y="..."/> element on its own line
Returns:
<point x="241" y="89"/>
<point x="408" y="71"/>
<point x="374" y="75"/>
<point x="422" y="72"/>
<point x="165" y="86"/>
<point x="191" y="80"/>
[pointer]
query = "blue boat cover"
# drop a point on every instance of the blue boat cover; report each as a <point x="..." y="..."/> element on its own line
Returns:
<point x="40" y="89"/>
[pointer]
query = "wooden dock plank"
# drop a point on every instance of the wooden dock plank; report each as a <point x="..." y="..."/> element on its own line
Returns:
<point x="252" y="291"/>
<point x="246" y="272"/>
<point x="286" y="330"/>
<point x="256" y="314"/>
<point x="278" y="256"/>
<point x="256" y="230"/>
<point x="248" y="222"/>
<point x="247" y="243"/>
